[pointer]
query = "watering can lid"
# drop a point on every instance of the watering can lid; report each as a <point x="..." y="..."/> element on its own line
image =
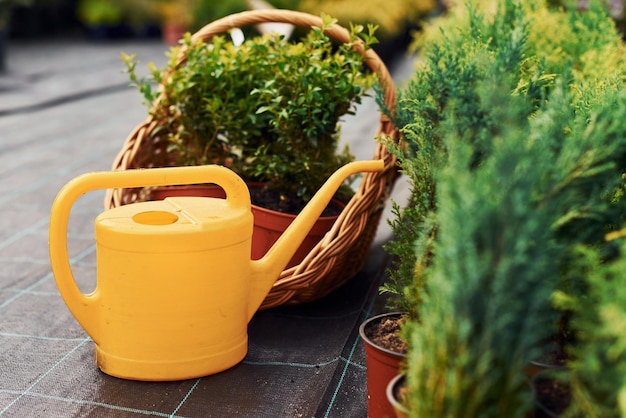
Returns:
<point x="180" y="223"/>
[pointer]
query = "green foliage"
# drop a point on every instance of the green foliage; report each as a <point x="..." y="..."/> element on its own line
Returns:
<point x="392" y="17"/>
<point x="206" y="11"/>
<point x="597" y="376"/>
<point x="98" y="12"/>
<point x="269" y="109"/>
<point x="485" y="309"/>
<point x="588" y="40"/>
<point x="501" y="250"/>
<point x="514" y="162"/>
<point x="587" y="182"/>
<point x="442" y="98"/>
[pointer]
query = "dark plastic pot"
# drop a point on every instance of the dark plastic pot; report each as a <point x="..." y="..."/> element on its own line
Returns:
<point x="382" y="366"/>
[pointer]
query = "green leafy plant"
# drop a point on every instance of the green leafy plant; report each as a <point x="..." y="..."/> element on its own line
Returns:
<point x="504" y="170"/>
<point x="500" y="252"/>
<point x="269" y="108"/>
<point x="458" y="50"/>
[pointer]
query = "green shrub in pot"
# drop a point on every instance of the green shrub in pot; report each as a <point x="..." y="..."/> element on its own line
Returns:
<point x="459" y="105"/>
<point x="456" y="51"/>
<point x="268" y="108"/>
<point x="492" y="229"/>
<point x="485" y="308"/>
<point x="442" y="92"/>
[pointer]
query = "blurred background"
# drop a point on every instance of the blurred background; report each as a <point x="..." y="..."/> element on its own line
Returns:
<point x="115" y="19"/>
<point x="107" y="20"/>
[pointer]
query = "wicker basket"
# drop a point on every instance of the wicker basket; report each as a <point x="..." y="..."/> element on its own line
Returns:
<point x="342" y="252"/>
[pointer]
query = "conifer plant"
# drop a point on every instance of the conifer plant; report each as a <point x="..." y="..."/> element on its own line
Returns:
<point x="515" y="161"/>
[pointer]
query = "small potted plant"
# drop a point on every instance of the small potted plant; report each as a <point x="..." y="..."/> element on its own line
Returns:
<point x="267" y="108"/>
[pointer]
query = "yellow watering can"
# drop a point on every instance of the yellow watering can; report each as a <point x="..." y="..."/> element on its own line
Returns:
<point x="175" y="283"/>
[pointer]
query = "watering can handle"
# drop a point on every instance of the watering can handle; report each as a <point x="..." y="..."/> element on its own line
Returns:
<point x="81" y="304"/>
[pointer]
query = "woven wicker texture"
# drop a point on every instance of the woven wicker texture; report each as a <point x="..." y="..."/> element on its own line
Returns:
<point x="343" y="251"/>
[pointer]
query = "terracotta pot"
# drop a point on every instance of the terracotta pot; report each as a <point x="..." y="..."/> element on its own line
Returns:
<point x="270" y="224"/>
<point x="382" y="366"/>
<point x="393" y="389"/>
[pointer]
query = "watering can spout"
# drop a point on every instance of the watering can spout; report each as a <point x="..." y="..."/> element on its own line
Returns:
<point x="266" y="270"/>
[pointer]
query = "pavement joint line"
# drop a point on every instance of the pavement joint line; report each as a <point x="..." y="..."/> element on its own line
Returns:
<point x="61" y="100"/>
<point x="38" y="337"/>
<point x="292" y="364"/>
<point x="44" y="279"/>
<point x="23" y="292"/>
<point x="195" y="385"/>
<point x="357" y="340"/>
<point x="22" y="233"/>
<point x="25" y="260"/>
<point x="9" y="197"/>
<point x="30" y="292"/>
<point x="42" y="376"/>
<point x="91" y="403"/>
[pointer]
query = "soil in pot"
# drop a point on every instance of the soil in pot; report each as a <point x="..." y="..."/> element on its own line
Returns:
<point x="202" y="190"/>
<point x="556" y="356"/>
<point x="289" y="203"/>
<point x="385" y="333"/>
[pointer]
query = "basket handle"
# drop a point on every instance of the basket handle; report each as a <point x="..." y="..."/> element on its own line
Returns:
<point x="335" y="31"/>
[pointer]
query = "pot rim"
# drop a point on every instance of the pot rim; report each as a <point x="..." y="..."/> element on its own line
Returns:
<point x="372" y="319"/>
<point x="399" y="379"/>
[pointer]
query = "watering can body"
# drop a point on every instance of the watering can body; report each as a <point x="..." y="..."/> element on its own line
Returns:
<point x="175" y="285"/>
